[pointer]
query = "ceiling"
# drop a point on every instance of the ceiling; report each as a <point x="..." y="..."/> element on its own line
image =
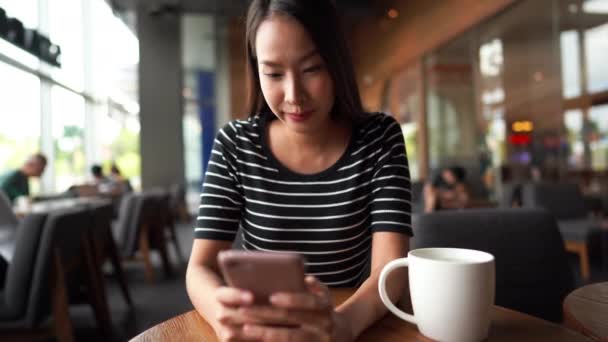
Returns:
<point x="219" y="7"/>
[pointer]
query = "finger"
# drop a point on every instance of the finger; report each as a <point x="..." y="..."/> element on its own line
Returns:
<point x="227" y="315"/>
<point x="234" y="334"/>
<point x="301" y="301"/>
<point x="316" y="287"/>
<point x="233" y="297"/>
<point x="279" y="334"/>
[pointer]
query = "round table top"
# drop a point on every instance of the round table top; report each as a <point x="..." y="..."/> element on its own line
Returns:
<point x="507" y="325"/>
<point x="586" y="309"/>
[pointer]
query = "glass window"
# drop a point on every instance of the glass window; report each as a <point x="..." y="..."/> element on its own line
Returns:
<point x="573" y="121"/>
<point x="192" y="144"/>
<point x="596" y="46"/>
<point x="454" y="135"/>
<point x="491" y="97"/>
<point x="117" y="136"/>
<point x="594" y="18"/>
<point x="571" y="70"/>
<point x="69" y="35"/>
<point x="404" y="103"/>
<point x="67" y="115"/>
<point x="598" y="137"/>
<point x="114" y="74"/>
<point x="20" y="108"/>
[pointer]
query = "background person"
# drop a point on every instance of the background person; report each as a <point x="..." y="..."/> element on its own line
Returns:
<point x="447" y="190"/>
<point x="119" y="180"/>
<point x="98" y="176"/>
<point x="16" y="183"/>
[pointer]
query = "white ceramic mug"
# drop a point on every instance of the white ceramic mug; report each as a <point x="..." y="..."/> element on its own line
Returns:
<point x="452" y="292"/>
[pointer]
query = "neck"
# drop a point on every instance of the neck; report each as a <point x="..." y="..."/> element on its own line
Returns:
<point x="314" y="142"/>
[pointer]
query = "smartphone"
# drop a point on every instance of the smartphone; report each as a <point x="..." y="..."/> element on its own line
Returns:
<point x="262" y="273"/>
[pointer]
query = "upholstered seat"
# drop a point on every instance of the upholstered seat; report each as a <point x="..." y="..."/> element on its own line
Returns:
<point x="566" y="203"/>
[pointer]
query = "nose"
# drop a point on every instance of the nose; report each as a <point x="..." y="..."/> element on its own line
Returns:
<point x="294" y="91"/>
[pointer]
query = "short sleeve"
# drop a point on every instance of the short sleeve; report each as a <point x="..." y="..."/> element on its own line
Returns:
<point x="222" y="200"/>
<point x="390" y="184"/>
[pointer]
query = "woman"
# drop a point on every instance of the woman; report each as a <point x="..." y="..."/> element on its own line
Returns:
<point x="308" y="172"/>
<point x="447" y="191"/>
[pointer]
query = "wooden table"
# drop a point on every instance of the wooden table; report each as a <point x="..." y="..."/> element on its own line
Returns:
<point x="586" y="310"/>
<point x="507" y="325"/>
<point x="57" y="204"/>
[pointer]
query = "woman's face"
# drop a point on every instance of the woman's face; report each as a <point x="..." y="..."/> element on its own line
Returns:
<point x="448" y="176"/>
<point x="294" y="79"/>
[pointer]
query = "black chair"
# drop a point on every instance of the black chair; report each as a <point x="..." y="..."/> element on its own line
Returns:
<point x="51" y="265"/>
<point x="177" y="202"/>
<point x="417" y="197"/>
<point x="8" y="230"/>
<point x="532" y="271"/>
<point x="138" y="231"/>
<point x="14" y="297"/>
<point x="566" y="202"/>
<point x="7" y="216"/>
<point x="166" y="220"/>
<point x="124" y="227"/>
<point x="105" y="246"/>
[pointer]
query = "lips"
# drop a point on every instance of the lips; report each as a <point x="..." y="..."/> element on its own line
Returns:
<point x="299" y="116"/>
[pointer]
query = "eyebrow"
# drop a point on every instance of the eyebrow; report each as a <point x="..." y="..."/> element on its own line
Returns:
<point x="301" y="59"/>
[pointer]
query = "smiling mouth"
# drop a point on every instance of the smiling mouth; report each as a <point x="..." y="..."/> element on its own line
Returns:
<point x="298" y="116"/>
<point x="302" y="113"/>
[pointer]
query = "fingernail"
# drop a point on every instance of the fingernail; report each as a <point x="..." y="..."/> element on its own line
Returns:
<point x="246" y="296"/>
<point x="250" y="329"/>
<point x="276" y="299"/>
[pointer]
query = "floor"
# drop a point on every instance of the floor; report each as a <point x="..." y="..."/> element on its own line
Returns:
<point x="153" y="303"/>
<point x="166" y="298"/>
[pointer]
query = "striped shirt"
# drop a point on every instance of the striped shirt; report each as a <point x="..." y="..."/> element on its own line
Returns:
<point x="328" y="217"/>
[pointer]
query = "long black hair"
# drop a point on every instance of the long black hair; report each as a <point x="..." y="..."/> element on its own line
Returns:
<point x="320" y="19"/>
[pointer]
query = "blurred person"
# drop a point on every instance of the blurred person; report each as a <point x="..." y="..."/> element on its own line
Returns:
<point x="307" y="165"/>
<point x="15" y="183"/>
<point x="98" y="176"/>
<point x="446" y="191"/>
<point x="119" y="180"/>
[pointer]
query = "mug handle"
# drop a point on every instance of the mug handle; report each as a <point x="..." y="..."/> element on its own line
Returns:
<point x="388" y="268"/>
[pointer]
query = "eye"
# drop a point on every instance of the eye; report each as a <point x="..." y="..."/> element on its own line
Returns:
<point x="273" y="75"/>
<point x="313" y="68"/>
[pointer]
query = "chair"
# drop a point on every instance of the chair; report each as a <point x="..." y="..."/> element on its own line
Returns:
<point x="105" y="246"/>
<point x="417" y="197"/>
<point x="165" y="219"/>
<point x="138" y="231"/>
<point x="532" y="271"/>
<point x="7" y="216"/>
<point x="565" y="201"/>
<point x="52" y="254"/>
<point x="8" y="229"/>
<point x="177" y="200"/>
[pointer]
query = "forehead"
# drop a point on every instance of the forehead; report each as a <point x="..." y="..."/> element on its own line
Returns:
<point x="281" y="38"/>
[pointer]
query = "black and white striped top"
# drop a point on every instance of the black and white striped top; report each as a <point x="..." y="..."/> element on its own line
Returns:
<point x="328" y="217"/>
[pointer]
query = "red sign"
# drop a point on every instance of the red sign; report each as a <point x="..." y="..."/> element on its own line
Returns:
<point x="520" y="139"/>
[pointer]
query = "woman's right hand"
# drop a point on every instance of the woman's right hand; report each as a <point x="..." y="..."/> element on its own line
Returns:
<point x="228" y="322"/>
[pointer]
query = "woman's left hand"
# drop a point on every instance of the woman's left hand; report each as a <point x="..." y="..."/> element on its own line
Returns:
<point x="297" y="317"/>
